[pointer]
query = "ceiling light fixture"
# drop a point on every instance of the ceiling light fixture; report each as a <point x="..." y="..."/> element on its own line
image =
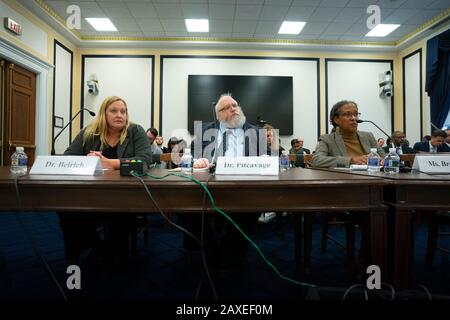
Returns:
<point x="382" y="30"/>
<point x="291" y="27"/>
<point x="197" y="25"/>
<point x="101" y="24"/>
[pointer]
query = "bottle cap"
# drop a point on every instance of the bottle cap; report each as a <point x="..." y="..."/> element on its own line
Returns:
<point x="393" y="150"/>
<point x="373" y="149"/>
<point x="285" y="152"/>
<point x="19" y="149"/>
<point x="187" y="151"/>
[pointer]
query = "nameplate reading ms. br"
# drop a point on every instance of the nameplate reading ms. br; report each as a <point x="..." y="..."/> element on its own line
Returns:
<point x="67" y="165"/>
<point x="432" y="163"/>
<point x="247" y="165"/>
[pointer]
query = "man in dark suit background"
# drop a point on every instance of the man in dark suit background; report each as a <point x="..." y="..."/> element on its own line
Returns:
<point x="434" y="145"/>
<point x="398" y="139"/>
<point x="297" y="147"/>
<point x="299" y="151"/>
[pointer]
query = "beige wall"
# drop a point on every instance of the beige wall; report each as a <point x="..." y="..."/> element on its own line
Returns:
<point x="322" y="55"/>
<point x="266" y="53"/>
<point x="399" y="90"/>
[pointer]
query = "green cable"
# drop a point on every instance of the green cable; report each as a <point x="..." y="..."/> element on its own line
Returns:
<point x="229" y="219"/>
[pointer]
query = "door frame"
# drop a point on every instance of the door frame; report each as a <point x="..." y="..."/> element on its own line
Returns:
<point x="42" y="69"/>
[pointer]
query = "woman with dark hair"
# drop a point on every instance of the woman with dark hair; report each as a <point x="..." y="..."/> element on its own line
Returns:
<point x="345" y="145"/>
<point x="111" y="137"/>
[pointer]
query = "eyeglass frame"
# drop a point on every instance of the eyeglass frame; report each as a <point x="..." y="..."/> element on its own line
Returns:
<point x="348" y="115"/>
<point x="228" y="107"/>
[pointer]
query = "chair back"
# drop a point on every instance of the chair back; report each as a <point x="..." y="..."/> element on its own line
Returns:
<point x="167" y="157"/>
<point x="408" y="159"/>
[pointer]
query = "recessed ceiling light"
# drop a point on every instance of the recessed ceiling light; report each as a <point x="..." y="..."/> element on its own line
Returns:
<point x="291" y="27"/>
<point x="197" y="25"/>
<point x="101" y="24"/>
<point x="382" y="30"/>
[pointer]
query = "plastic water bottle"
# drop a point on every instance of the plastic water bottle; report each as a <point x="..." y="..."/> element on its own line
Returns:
<point x="392" y="162"/>
<point x="19" y="161"/>
<point x="186" y="162"/>
<point x="373" y="161"/>
<point x="284" y="161"/>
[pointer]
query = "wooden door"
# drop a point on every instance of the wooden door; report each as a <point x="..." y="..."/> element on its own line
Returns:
<point x="19" y="112"/>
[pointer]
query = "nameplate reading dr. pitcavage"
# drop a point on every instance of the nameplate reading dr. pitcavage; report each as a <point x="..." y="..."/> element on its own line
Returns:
<point x="432" y="163"/>
<point x="247" y="165"/>
<point x="67" y="165"/>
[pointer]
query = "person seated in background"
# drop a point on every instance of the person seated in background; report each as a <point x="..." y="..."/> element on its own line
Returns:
<point x="152" y="133"/>
<point x="277" y="149"/>
<point x="273" y="143"/>
<point x="434" y="145"/>
<point x="298" y="150"/>
<point x="426" y="138"/>
<point x="160" y="143"/>
<point x="170" y="144"/>
<point x="174" y="145"/>
<point x="389" y="142"/>
<point x="111" y="137"/>
<point x="406" y="142"/>
<point x="446" y="144"/>
<point x="346" y="145"/>
<point x="380" y="142"/>
<point x="297" y="147"/>
<point x="398" y="139"/>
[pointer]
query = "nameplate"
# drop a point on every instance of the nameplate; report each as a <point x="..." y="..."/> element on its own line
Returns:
<point x="67" y="165"/>
<point x="432" y="163"/>
<point x="247" y="166"/>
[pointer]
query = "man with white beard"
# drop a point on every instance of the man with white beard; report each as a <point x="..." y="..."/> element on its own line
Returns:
<point x="231" y="136"/>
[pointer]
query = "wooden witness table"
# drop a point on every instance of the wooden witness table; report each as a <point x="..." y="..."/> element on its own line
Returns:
<point x="403" y="193"/>
<point x="297" y="190"/>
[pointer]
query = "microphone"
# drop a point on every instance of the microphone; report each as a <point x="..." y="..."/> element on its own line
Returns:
<point x="387" y="135"/>
<point x="68" y="123"/>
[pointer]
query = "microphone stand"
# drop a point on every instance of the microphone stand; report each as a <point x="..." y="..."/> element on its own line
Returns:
<point x="387" y="135"/>
<point x="68" y="123"/>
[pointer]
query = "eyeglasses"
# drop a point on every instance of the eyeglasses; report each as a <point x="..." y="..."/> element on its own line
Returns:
<point x="350" y="114"/>
<point x="228" y="107"/>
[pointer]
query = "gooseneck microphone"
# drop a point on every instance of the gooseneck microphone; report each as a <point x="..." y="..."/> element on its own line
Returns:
<point x="68" y="123"/>
<point x="387" y="135"/>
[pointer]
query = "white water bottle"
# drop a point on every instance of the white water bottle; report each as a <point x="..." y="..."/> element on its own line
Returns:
<point x="373" y="161"/>
<point x="186" y="162"/>
<point x="284" y="161"/>
<point x="19" y="161"/>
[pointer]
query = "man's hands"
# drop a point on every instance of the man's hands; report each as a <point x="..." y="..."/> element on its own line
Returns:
<point x="201" y="163"/>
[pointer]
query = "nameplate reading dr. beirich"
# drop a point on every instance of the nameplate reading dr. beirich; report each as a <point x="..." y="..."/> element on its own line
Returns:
<point x="67" y="165"/>
<point x="247" y="165"/>
<point x="432" y="163"/>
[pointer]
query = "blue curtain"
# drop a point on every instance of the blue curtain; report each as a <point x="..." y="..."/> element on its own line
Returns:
<point x="438" y="77"/>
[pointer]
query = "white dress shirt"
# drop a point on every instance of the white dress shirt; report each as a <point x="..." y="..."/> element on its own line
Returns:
<point x="235" y="143"/>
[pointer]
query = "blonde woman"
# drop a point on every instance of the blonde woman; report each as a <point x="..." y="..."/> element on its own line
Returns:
<point x="111" y="137"/>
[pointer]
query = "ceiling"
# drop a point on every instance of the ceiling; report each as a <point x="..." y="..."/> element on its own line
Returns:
<point x="253" y="20"/>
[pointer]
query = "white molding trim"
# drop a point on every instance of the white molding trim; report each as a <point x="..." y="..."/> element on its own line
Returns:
<point x="42" y="69"/>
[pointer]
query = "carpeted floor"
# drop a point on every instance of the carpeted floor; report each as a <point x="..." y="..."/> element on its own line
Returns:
<point x="163" y="271"/>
